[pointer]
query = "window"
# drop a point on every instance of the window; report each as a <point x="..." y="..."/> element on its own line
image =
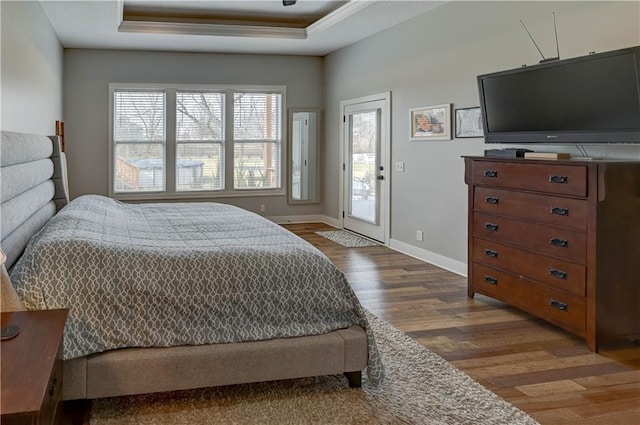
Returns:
<point x="257" y="135"/>
<point x="192" y="141"/>
<point x="199" y="138"/>
<point x="139" y="139"/>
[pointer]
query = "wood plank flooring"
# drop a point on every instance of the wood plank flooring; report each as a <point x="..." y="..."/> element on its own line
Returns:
<point x="536" y="366"/>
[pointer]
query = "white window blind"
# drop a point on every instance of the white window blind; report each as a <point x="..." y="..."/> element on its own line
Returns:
<point x="195" y="141"/>
<point x="257" y="140"/>
<point x="139" y="137"/>
<point x="200" y="141"/>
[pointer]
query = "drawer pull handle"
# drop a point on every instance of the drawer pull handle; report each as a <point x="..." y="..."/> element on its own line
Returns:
<point x="559" y="211"/>
<point x="491" y="200"/>
<point x="490" y="173"/>
<point x="490" y="279"/>
<point x="557" y="304"/>
<point x="491" y="226"/>
<point x="557" y="273"/>
<point x="559" y="242"/>
<point x="491" y="253"/>
<point x="558" y="179"/>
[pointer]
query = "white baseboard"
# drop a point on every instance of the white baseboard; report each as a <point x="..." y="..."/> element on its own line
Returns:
<point x="438" y="260"/>
<point x="313" y="218"/>
<point x="455" y="266"/>
<point x="291" y="219"/>
<point x="335" y="222"/>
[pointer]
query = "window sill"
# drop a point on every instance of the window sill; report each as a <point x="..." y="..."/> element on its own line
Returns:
<point x="190" y="196"/>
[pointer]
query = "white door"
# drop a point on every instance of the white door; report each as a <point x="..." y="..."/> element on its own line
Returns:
<point x="365" y="181"/>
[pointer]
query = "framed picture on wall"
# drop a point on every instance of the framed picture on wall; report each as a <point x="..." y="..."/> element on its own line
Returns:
<point x="431" y="122"/>
<point x="468" y="122"/>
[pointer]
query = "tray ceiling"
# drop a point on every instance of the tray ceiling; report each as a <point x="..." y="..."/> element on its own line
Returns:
<point x="310" y="27"/>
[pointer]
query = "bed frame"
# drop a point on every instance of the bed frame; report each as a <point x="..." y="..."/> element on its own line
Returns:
<point x="33" y="188"/>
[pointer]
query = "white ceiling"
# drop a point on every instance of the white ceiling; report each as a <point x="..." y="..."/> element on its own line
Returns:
<point x="94" y="24"/>
<point x="304" y="11"/>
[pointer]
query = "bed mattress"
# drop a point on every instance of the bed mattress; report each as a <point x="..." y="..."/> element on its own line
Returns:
<point x="173" y="274"/>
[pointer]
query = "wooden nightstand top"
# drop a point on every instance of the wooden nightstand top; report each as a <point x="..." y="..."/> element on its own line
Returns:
<point x="27" y="359"/>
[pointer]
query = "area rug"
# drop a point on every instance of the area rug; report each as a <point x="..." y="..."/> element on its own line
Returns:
<point x="420" y="388"/>
<point x="347" y="239"/>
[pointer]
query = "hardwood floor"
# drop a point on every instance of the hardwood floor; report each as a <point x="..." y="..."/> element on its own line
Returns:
<point x="537" y="367"/>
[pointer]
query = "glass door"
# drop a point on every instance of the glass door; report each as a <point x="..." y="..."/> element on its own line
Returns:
<point x="364" y="178"/>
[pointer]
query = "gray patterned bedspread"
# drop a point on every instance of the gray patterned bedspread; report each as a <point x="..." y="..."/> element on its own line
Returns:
<point x="181" y="274"/>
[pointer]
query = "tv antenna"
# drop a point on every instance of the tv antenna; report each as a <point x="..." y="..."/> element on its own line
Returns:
<point x="555" y="30"/>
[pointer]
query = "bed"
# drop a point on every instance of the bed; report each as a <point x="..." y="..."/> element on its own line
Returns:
<point x="171" y="296"/>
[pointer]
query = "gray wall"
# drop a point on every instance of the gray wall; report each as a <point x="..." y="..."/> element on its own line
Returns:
<point x="31" y="74"/>
<point x="431" y="59"/>
<point x="86" y="90"/>
<point x="434" y="59"/>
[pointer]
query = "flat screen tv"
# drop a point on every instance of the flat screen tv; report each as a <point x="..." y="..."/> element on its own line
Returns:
<point x="589" y="99"/>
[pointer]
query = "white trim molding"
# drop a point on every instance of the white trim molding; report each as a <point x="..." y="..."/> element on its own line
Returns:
<point x="455" y="266"/>
<point x="336" y="16"/>
<point x="174" y="25"/>
<point x="227" y="142"/>
<point x="311" y="218"/>
<point x="335" y="222"/>
<point x="384" y="161"/>
<point x="190" y="28"/>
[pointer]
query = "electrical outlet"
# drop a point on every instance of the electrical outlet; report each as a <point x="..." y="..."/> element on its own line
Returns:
<point x="263" y="207"/>
<point x="400" y="166"/>
<point x="419" y="235"/>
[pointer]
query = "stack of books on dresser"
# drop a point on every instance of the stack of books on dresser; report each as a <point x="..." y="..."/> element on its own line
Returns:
<point x="547" y="155"/>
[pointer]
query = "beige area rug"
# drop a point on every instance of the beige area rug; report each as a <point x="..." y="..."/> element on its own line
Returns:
<point x="346" y="239"/>
<point x="420" y="388"/>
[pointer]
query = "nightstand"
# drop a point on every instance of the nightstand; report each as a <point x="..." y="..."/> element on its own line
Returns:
<point x="31" y="367"/>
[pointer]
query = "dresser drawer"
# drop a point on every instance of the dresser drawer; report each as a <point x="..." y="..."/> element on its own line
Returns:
<point x="556" y="179"/>
<point x="551" y="271"/>
<point x="548" y="240"/>
<point x="566" y="212"/>
<point x="558" y="307"/>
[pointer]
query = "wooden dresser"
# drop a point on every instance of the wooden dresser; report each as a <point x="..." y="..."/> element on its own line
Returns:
<point x="559" y="239"/>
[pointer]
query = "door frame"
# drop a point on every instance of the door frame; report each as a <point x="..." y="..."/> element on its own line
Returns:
<point x="385" y="153"/>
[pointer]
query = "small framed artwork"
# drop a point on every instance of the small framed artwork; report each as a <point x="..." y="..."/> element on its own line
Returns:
<point x="431" y="122"/>
<point x="468" y="122"/>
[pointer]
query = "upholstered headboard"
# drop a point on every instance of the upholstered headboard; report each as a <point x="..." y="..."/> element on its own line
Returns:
<point x="32" y="188"/>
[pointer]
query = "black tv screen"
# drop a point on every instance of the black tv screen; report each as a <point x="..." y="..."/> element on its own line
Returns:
<point x="590" y="99"/>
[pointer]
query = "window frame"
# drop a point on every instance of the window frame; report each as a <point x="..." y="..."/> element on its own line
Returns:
<point x="220" y="142"/>
<point x="170" y="152"/>
<point x="239" y="142"/>
<point x="132" y="142"/>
